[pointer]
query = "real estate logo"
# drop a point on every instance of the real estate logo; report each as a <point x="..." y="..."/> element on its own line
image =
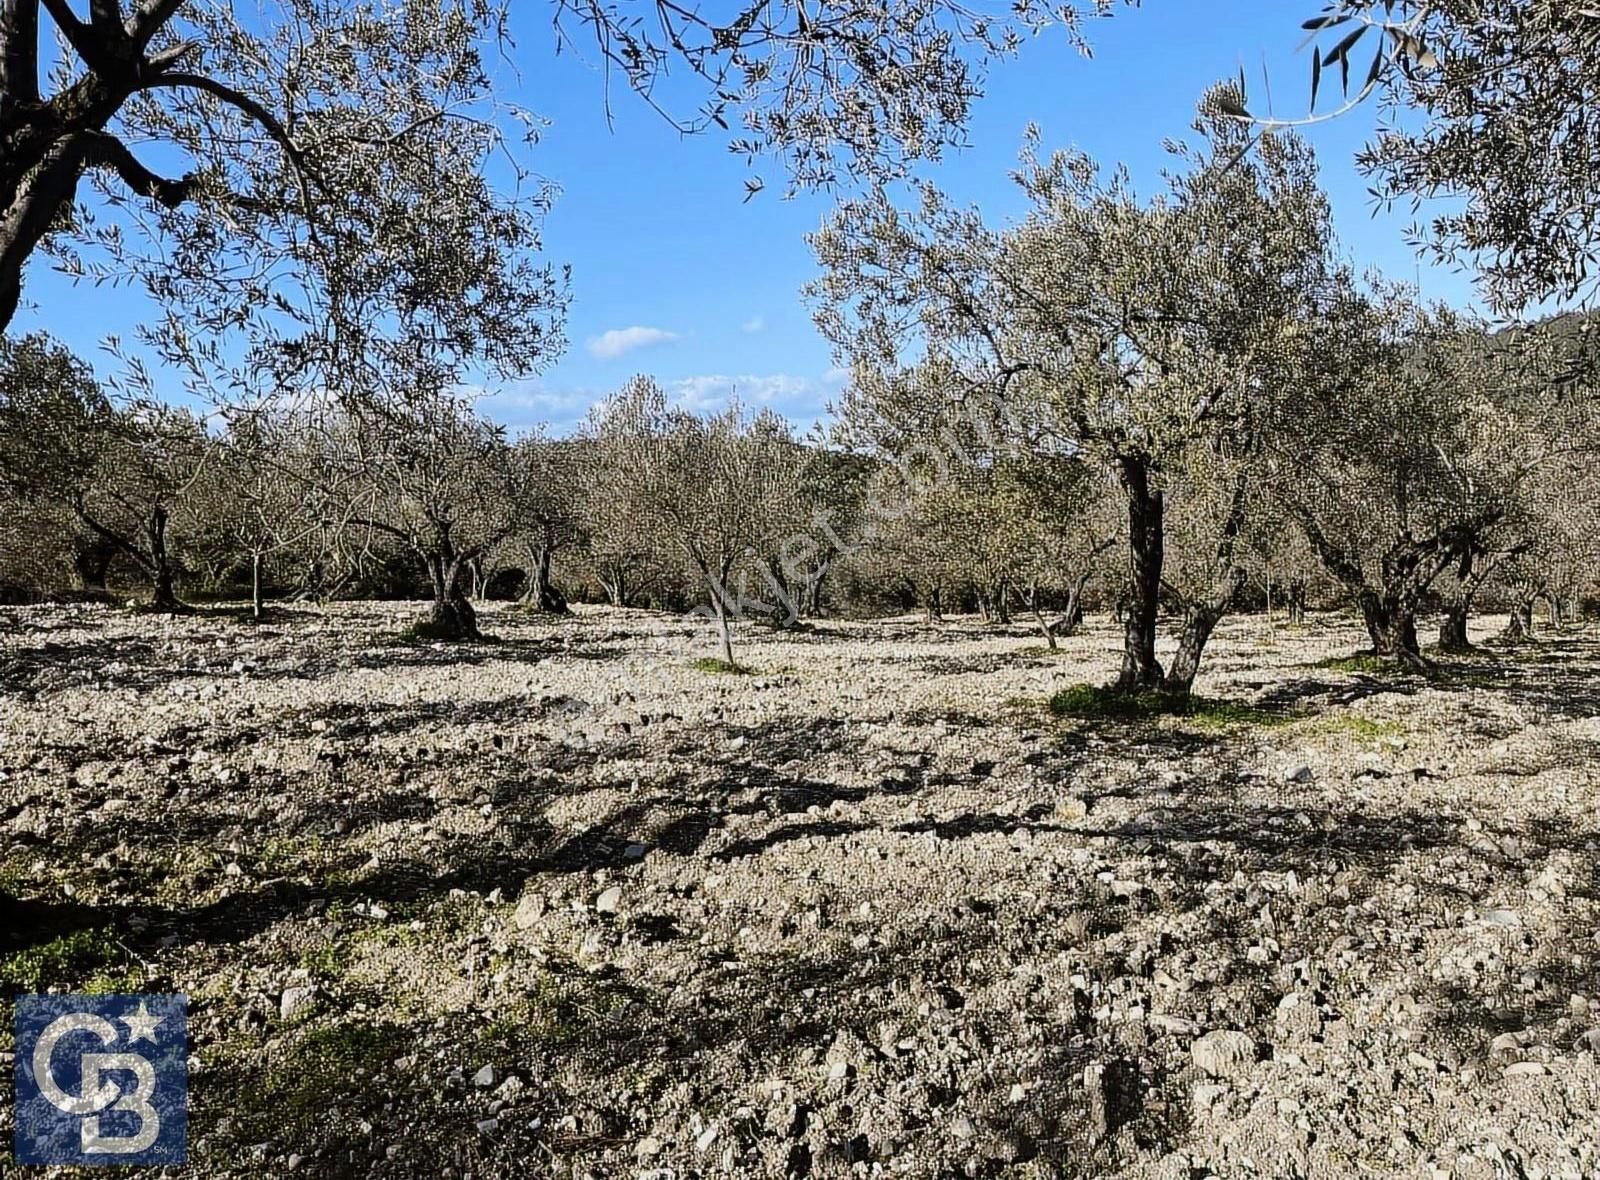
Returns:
<point x="102" y="1079"/>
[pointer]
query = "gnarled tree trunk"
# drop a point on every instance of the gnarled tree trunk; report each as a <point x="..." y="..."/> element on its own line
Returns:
<point x="1453" y="628"/>
<point x="811" y="601"/>
<point x="1391" y="624"/>
<point x="1140" y="669"/>
<point x="1032" y="599"/>
<point x="541" y="592"/>
<point x="1519" y="629"/>
<point x="452" y="616"/>
<point x="1199" y="622"/>
<point x="1295" y="595"/>
<point x="614" y="581"/>
<point x="1201" y="615"/>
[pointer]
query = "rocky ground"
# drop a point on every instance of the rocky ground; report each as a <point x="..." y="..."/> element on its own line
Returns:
<point x="565" y="904"/>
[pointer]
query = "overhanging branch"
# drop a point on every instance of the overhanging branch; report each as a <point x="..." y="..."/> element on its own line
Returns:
<point x="108" y="151"/>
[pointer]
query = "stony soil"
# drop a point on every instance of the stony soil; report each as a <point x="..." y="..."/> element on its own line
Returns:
<point x="566" y="905"/>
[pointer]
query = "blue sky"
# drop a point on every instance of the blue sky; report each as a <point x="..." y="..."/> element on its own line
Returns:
<point x="676" y="275"/>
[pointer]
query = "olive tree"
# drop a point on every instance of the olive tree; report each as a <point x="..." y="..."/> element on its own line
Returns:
<point x="619" y="550"/>
<point x="720" y="490"/>
<point x="274" y="491"/>
<point x="548" y="520"/>
<point x="429" y="472"/>
<point x="1405" y="460"/>
<point x="1126" y="331"/>
<point x="121" y="469"/>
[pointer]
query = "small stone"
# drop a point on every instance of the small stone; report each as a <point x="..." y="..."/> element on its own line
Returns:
<point x="1299" y="774"/>
<point x="1509" y="1043"/>
<point x="649" y="1147"/>
<point x="1224" y="1053"/>
<point x="706" y="1138"/>
<point x="1500" y="918"/>
<point x="1176" y="1025"/>
<point x="1012" y="1147"/>
<point x="1071" y="809"/>
<point x="634" y="852"/>
<point x="529" y="910"/>
<point x="609" y="901"/>
<point x="484" y="1078"/>
<point x="293" y="1162"/>
<point x="295" y="1001"/>
<point x="963" y="1129"/>
<point x="488" y="1128"/>
<point x="1525" y="1069"/>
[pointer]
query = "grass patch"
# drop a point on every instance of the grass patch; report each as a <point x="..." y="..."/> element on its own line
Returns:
<point x="327" y="1067"/>
<point x="1355" y="726"/>
<point x="557" y="1013"/>
<point x="85" y="960"/>
<point x="720" y="667"/>
<point x="14" y="874"/>
<point x="1039" y="651"/>
<point x="427" y="631"/>
<point x="1367" y="662"/>
<point x="1088" y="702"/>
<point x="327" y="961"/>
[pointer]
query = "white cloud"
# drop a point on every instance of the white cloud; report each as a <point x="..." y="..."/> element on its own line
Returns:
<point x="524" y="404"/>
<point x="753" y="325"/>
<point x="802" y="400"/>
<point x="620" y="340"/>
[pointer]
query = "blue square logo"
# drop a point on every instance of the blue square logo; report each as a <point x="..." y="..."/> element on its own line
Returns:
<point x="102" y="1079"/>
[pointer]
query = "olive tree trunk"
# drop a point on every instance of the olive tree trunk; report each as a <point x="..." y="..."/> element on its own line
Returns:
<point x="1295" y="597"/>
<point x="1453" y="628"/>
<point x="1200" y="620"/>
<point x="541" y="592"/>
<point x="1141" y="671"/>
<point x="166" y="596"/>
<point x="255" y="584"/>
<point x="811" y="602"/>
<point x="1519" y="629"/>
<point x="452" y="616"/>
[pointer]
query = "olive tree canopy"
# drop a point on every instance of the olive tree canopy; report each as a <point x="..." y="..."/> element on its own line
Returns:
<point x="1509" y="91"/>
<point x="228" y="145"/>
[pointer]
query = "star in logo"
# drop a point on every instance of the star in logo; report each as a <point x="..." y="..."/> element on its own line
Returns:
<point x="141" y="1025"/>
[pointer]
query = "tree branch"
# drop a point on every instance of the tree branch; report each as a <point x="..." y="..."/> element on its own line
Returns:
<point x="75" y="31"/>
<point x="108" y="151"/>
<point x="105" y="15"/>
<point x="180" y="80"/>
<point x="148" y="18"/>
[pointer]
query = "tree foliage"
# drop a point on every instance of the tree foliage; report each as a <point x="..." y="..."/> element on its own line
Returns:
<point x="1508" y="91"/>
